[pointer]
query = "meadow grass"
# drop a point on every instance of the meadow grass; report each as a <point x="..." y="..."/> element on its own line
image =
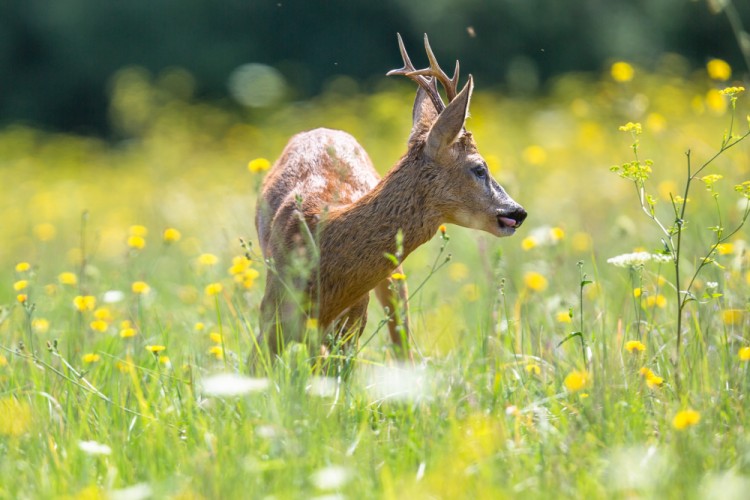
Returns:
<point x="543" y="370"/>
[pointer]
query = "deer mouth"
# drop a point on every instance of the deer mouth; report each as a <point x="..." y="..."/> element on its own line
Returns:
<point x="511" y="221"/>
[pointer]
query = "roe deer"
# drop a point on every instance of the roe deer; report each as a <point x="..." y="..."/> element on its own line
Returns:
<point x="324" y="204"/>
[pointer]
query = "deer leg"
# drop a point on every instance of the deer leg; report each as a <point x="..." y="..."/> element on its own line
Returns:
<point x="350" y="324"/>
<point x="392" y="297"/>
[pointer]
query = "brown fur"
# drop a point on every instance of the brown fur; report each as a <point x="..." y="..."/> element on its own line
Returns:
<point x="326" y="179"/>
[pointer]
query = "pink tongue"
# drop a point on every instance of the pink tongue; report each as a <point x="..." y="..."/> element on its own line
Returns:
<point x="508" y="221"/>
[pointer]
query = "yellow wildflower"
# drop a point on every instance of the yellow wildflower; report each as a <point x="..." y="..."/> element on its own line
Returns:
<point x="213" y="289"/>
<point x="155" y="348"/>
<point x="128" y="332"/>
<point x="171" y="235"/>
<point x="398" y="276"/>
<point x="715" y="102"/>
<point x="136" y="242"/>
<point x="22" y="267"/>
<point x="443" y="229"/>
<point x="732" y="317"/>
<point x="207" y="259"/>
<point x="239" y="265"/>
<point x="637" y="292"/>
<point x="258" y="165"/>
<point x="91" y="357"/>
<point x="534" y="155"/>
<point x="164" y="360"/>
<point x="535" y="281"/>
<point x="622" y="72"/>
<point x="719" y="69"/>
<point x="563" y="317"/>
<point x="215" y="337"/>
<point x="247" y="278"/>
<point x="103" y="314"/>
<point x="199" y="326"/>
<point x="217" y="351"/>
<point x="732" y="91"/>
<point x="581" y="241"/>
<point x="652" y="379"/>
<point x="3" y="361"/>
<point x="533" y="369"/>
<point x="470" y="292"/>
<point x="99" y="325"/>
<point x="725" y="248"/>
<point x="576" y="380"/>
<point x="84" y="302"/>
<point x="744" y="353"/>
<point x="20" y="285"/>
<point x="138" y="230"/>
<point x="40" y="325"/>
<point x="312" y="323"/>
<point x="658" y="300"/>
<point x="458" y="271"/>
<point x="67" y="278"/>
<point x="686" y="418"/>
<point x="556" y="233"/>
<point x="636" y="128"/>
<point x="528" y="243"/>
<point x="45" y="231"/>
<point x="22" y="298"/>
<point x="140" y="287"/>
<point x="635" y="346"/>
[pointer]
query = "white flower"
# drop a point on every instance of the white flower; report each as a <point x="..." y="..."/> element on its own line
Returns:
<point x="332" y="477"/>
<point x="138" y="491"/>
<point x="113" y="296"/>
<point x="94" y="448"/>
<point x="232" y="384"/>
<point x="711" y="285"/>
<point x="638" y="259"/>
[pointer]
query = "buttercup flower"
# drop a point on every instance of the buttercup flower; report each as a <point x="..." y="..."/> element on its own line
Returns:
<point x="576" y="380"/>
<point x="535" y="281"/>
<point x="686" y="418"/>
<point x="171" y="235"/>
<point x="258" y="165"/>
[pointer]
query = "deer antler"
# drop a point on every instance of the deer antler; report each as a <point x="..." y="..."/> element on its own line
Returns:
<point x="427" y="78"/>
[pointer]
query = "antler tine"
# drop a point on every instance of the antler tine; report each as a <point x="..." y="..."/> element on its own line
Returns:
<point x="426" y="80"/>
<point x="450" y="84"/>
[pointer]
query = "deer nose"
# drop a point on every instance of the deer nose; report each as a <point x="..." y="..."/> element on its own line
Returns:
<point x="517" y="216"/>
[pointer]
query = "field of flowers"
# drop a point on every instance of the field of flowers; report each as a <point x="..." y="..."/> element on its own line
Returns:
<point x="569" y="360"/>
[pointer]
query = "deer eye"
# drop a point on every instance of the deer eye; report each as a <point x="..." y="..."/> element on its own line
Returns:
<point x="480" y="171"/>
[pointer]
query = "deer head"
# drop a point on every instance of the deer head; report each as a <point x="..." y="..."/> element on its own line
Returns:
<point x="464" y="191"/>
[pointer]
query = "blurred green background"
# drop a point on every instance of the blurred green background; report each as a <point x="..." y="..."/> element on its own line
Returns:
<point x="58" y="58"/>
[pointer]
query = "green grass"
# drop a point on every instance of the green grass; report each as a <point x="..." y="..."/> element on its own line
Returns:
<point x="485" y="412"/>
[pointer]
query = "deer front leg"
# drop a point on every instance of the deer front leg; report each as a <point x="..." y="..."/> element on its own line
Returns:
<point x="394" y="298"/>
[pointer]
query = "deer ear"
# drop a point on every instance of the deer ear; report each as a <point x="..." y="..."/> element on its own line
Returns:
<point x="424" y="113"/>
<point x="450" y="122"/>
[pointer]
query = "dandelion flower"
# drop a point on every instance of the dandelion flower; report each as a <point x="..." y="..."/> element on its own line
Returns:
<point x="136" y="242"/>
<point x="725" y="248"/>
<point x="744" y="353"/>
<point x="719" y="69"/>
<point x="164" y="360"/>
<point x="140" y="287"/>
<point x="128" y="332"/>
<point x="91" y="357"/>
<point x="239" y="265"/>
<point x="216" y="351"/>
<point x="535" y="281"/>
<point x="155" y="348"/>
<point x="103" y="314"/>
<point x="556" y="233"/>
<point x="40" y="325"/>
<point x="652" y="379"/>
<point x="528" y="243"/>
<point x="563" y="317"/>
<point x="20" y="285"/>
<point x="635" y="346"/>
<point x="215" y="337"/>
<point x="533" y="369"/>
<point x="67" y="278"/>
<point x="22" y="267"/>
<point x="576" y="380"/>
<point x="258" y="165"/>
<point x="248" y="278"/>
<point x="732" y="317"/>
<point x="622" y="72"/>
<point x="207" y="259"/>
<point x="686" y="418"/>
<point x="99" y="325"/>
<point x="84" y="302"/>
<point x="171" y="235"/>
<point x="213" y="289"/>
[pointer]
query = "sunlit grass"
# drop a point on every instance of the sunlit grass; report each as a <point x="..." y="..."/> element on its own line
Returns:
<point x="130" y="307"/>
